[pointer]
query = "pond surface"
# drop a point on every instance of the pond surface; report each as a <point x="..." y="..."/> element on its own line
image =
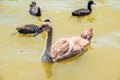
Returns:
<point x="20" y="55"/>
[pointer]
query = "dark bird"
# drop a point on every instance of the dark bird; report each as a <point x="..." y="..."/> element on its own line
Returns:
<point x="83" y="11"/>
<point x="29" y="29"/>
<point x="35" y="10"/>
<point x="64" y="48"/>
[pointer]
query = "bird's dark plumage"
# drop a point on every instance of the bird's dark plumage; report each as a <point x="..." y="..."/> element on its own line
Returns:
<point x="29" y="29"/>
<point x="83" y="11"/>
<point x="35" y="10"/>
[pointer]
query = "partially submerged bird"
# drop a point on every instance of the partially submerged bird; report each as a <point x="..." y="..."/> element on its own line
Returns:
<point x="65" y="47"/>
<point x="29" y="29"/>
<point x="83" y="11"/>
<point x="35" y="10"/>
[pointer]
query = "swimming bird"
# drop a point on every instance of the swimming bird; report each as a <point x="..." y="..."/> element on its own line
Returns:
<point x="29" y="29"/>
<point x="83" y="11"/>
<point x="35" y="10"/>
<point x="65" y="47"/>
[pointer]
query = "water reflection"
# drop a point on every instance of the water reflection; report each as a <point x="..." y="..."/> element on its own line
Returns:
<point x="44" y="35"/>
<point x="90" y="47"/>
<point x="74" y="58"/>
<point x="39" y="18"/>
<point x="89" y="18"/>
<point x="47" y="68"/>
<point x="25" y="35"/>
<point x="21" y="35"/>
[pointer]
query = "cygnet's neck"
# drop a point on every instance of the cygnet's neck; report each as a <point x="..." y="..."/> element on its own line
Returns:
<point x="46" y="55"/>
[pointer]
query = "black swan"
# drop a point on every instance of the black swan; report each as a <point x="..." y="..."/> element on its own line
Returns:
<point x="65" y="47"/>
<point x="83" y="11"/>
<point x="35" y="10"/>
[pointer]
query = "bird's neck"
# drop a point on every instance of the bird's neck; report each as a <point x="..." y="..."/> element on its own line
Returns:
<point x="89" y="6"/>
<point x="47" y="56"/>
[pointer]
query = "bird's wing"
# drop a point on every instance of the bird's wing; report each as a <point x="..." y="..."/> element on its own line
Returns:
<point x="66" y="48"/>
<point x="84" y="11"/>
<point x="29" y="27"/>
<point x="60" y="48"/>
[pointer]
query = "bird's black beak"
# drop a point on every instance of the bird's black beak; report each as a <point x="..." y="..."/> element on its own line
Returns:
<point x="39" y="30"/>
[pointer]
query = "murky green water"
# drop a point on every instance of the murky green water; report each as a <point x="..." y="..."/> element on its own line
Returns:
<point x="20" y="56"/>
